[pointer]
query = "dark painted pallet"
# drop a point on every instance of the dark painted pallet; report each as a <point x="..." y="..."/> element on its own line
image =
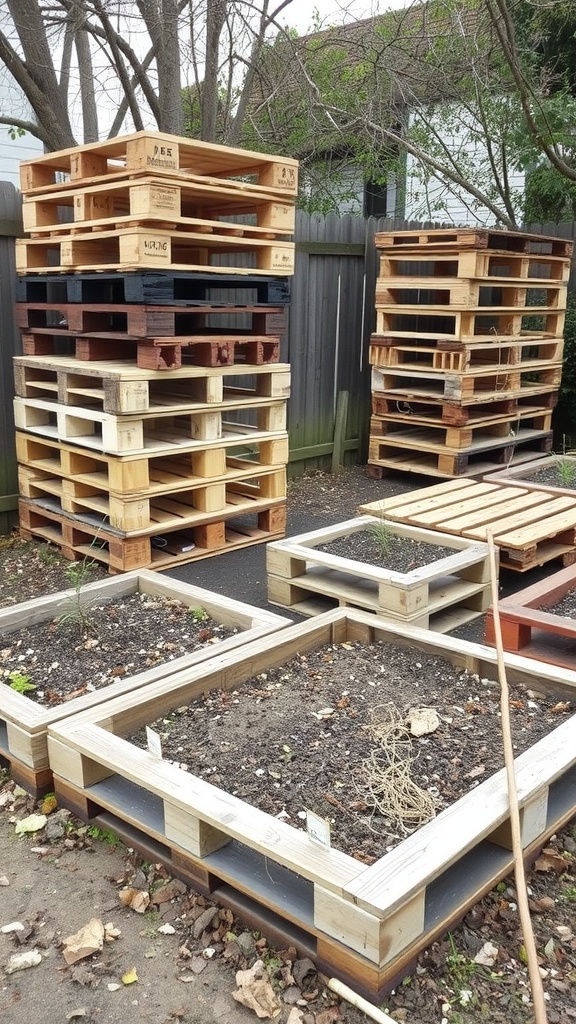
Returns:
<point x="153" y="287"/>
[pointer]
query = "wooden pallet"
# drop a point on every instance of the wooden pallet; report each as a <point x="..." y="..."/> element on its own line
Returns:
<point x="455" y="239"/>
<point x="408" y="432"/>
<point x="252" y="521"/>
<point x="139" y="321"/>
<point x="456" y="357"/>
<point x="466" y="388"/>
<point x="149" y="433"/>
<point x="522" y="476"/>
<point x="122" y="389"/>
<point x="143" y="248"/>
<point x="427" y="410"/>
<point x="24" y="722"/>
<point x="447" y="324"/>
<point x="483" y="265"/>
<point x="216" y="349"/>
<point x="145" y="515"/>
<point x="528" y="628"/>
<point x="364" y="924"/>
<point x="149" y="475"/>
<point x="479" y="297"/>
<point x="440" y="595"/>
<point x="529" y="527"/>
<point x="148" y="199"/>
<point x="159" y="153"/>
<point x="160" y="287"/>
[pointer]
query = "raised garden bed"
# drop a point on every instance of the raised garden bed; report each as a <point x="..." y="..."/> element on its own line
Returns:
<point x="24" y="722"/>
<point x="362" y="923"/>
<point x="532" y="630"/>
<point x="445" y="584"/>
<point x="554" y="473"/>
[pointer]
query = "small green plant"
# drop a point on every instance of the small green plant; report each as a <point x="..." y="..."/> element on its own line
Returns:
<point x="20" y="682"/>
<point x="105" y="835"/>
<point x="199" y="614"/>
<point x="47" y="555"/>
<point x="78" y="574"/>
<point x="382" y="535"/>
<point x="569" y="894"/>
<point x="566" y="468"/>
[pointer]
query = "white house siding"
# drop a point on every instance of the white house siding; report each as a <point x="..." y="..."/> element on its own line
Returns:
<point x="13" y="103"/>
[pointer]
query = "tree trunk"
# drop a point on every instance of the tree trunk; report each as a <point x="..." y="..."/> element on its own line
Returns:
<point x="215" y="17"/>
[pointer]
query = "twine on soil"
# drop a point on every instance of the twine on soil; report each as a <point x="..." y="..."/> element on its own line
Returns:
<point x="387" y="772"/>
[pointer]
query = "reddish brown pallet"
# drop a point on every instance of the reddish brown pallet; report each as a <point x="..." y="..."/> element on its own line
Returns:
<point x="529" y="629"/>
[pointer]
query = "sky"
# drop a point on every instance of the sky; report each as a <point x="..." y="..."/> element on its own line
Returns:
<point x="299" y="14"/>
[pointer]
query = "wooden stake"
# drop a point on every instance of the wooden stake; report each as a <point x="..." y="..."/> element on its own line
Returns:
<point x="519" y="873"/>
<point x="359" y="1002"/>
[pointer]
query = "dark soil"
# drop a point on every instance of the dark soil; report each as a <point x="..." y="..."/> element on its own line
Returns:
<point x="376" y="546"/>
<point x="556" y="476"/>
<point x="566" y="607"/>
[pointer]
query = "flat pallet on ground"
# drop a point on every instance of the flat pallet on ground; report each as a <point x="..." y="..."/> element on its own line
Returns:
<point x="466" y="388"/>
<point x="251" y="521"/>
<point x="150" y="475"/>
<point x="438" y="595"/>
<point x="24" y="722"/>
<point x="147" y="433"/>
<point x="363" y="923"/>
<point x="529" y="527"/>
<point x="529" y="628"/>
<point x="429" y="411"/>
<point x="456" y="239"/>
<point x="121" y="389"/>
<point x="457" y="357"/>
<point x="144" y="248"/>
<point x="489" y="267"/>
<point x="159" y="287"/>
<point x="526" y="475"/>
<point x="148" y="198"/>
<point x="159" y="153"/>
<point x="448" y="324"/>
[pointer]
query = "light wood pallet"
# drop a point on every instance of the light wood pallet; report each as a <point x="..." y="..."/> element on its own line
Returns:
<point x="490" y="268"/>
<point x="456" y="357"/>
<point x="216" y="349"/>
<point x="427" y="410"/>
<point x="159" y="153"/>
<point x="466" y="388"/>
<point x="24" y="722"/>
<point x="122" y="389"/>
<point x="158" y="287"/>
<point x="148" y="199"/>
<point x="474" y="461"/>
<point x="146" y="515"/>
<point x="251" y="521"/>
<point x="528" y="628"/>
<point x="439" y="595"/>
<point x="148" y="433"/>
<point x="479" y="297"/>
<point x="143" y="248"/>
<point x="144" y="321"/>
<point x="147" y="475"/>
<point x="364" y="924"/>
<point x="524" y="475"/>
<point x="529" y="527"/>
<point x="411" y="433"/>
<point x="455" y="239"/>
<point x="448" y="324"/>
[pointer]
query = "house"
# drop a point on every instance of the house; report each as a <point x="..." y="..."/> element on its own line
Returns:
<point x="15" y="147"/>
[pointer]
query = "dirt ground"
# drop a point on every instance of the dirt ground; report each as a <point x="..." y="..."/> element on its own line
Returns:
<point x="175" y="958"/>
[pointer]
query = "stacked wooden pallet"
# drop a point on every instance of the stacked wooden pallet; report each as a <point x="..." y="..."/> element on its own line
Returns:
<point x="150" y="401"/>
<point x="467" y="353"/>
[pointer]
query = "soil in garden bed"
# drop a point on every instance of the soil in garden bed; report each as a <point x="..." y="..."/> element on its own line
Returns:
<point x="566" y="607"/>
<point x="55" y="661"/>
<point x="327" y="732"/>
<point x="561" y="475"/>
<point x="375" y="545"/>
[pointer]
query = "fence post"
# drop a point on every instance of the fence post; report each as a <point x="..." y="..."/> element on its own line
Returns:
<point x="10" y="228"/>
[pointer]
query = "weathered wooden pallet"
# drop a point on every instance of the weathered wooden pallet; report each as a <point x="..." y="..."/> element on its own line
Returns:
<point x="160" y="287"/>
<point x="142" y="248"/>
<point x="528" y="628"/>
<point x="139" y="321"/>
<point x="529" y="527"/>
<point x="483" y="265"/>
<point x="457" y="357"/>
<point x="466" y="388"/>
<point x="160" y="153"/>
<point x="217" y="349"/>
<point x="468" y="294"/>
<point x="149" y="475"/>
<point x="439" y="595"/>
<point x="406" y="431"/>
<point x="521" y="476"/>
<point x="250" y="521"/>
<point x="364" y="924"/>
<point x="455" y="239"/>
<point x="427" y="410"/>
<point x="148" y="432"/>
<point x="24" y="722"/>
<point x="149" y="199"/>
<point x="123" y="389"/>
<point x="444" y="323"/>
<point x="475" y="461"/>
<point x="144" y="515"/>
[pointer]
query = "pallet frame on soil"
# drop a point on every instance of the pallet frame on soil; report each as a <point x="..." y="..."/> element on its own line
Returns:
<point x="519" y="476"/>
<point x="439" y="595"/>
<point x="364" y="924"/>
<point x="529" y="629"/>
<point x="24" y="722"/>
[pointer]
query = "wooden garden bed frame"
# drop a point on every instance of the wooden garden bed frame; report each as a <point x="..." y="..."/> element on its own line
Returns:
<point x="519" y="476"/>
<point x="24" y="723"/>
<point x="440" y="595"/>
<point x="363" y="924"/>
<point x="530" y="630"/>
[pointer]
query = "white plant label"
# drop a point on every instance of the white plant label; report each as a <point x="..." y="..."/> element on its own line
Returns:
<point x="154" y="742"/>
<point x="318" y="829"/>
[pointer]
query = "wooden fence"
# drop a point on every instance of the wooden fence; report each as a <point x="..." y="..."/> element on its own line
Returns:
<point x="331" y="318"/>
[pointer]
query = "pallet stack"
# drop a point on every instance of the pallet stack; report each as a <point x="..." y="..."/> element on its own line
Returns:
<point x="467" y="354"/>
<point x="150" y="401"/>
